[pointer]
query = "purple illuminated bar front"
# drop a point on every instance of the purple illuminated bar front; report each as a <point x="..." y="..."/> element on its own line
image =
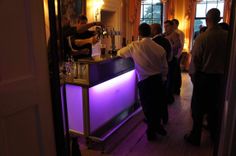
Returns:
<point x="102" y="97"/>
<point x="108" y="99"/>
<point x="74" y="99"/>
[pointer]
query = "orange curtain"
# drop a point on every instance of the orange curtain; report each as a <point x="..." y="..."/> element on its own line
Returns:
<point x="134" y="16"/>
<point x="169" y="9"/>
<point x="227" y="9"/>
<point x="190" y="16"/>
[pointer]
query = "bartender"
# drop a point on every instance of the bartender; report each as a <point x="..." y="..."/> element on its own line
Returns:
<point x="83" y="39"/>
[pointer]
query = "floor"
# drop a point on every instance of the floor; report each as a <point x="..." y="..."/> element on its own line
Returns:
<point x="136" y="144"/>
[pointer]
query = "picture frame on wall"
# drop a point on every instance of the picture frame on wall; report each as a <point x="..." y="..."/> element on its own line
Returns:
<point x="71" y="9"/>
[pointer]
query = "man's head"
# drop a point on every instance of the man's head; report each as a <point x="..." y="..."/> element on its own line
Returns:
<point x="82" y="19"/>
<point x="144" y="30"/>
<point x="168" y="24"/>
<point x="175" y="23"/>
<point x="213" y="16"/>
<point x="156" y="29"/>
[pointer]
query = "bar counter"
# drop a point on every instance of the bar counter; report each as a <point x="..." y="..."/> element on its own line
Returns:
<point x="97" y="69"/>
<point x="102" y="96"/>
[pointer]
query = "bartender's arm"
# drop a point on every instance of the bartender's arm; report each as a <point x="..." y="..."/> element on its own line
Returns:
<point x="84" y="27"/>
<point x="81" y="42"/>
<point x="125" y="51"/>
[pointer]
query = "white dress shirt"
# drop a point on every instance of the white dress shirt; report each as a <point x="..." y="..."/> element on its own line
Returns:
<point x="149" y="58"/>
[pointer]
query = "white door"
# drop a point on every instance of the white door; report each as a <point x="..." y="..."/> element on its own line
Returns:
<point x="26" y="126"/>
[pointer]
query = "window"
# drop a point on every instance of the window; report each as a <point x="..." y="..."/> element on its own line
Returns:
<point x="202" y="8"/>
<point x="151" y="11"/>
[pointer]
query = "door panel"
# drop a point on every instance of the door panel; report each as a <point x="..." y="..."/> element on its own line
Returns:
<point x="26" y="126"/>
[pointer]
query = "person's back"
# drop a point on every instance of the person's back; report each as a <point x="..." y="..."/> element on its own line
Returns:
<point x="211" y="59"/>
<point x="159" y="38"/>
<point x="162" y="41"/>
<point x="151" y="68"/>
<point x="148" y="57"/>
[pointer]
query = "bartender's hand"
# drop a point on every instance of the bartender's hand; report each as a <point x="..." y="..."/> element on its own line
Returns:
<point x="98" y="24"/>
<point x="95" y="39"/>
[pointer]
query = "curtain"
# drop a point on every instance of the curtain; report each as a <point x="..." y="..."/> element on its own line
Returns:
<point x="134" y="16"/>
<point x="227" y="9"/>
<point x="169" y="9"/>
<point x="190" y="17"/>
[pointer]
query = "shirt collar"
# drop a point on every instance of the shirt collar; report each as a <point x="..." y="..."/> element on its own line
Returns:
<point x="156" y="36"/>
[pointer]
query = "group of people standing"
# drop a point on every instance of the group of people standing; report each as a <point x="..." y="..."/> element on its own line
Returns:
<point x="156" y="62"/>
<point x="156" y="57"/>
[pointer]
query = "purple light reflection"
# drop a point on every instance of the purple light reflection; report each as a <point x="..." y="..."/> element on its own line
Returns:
<point x="75" y="107"/>
<point x="110" y="98"/>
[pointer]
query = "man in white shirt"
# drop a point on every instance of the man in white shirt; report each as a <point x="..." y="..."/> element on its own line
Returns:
<point x="151" y="68"/>
<point x="181" y="35"/>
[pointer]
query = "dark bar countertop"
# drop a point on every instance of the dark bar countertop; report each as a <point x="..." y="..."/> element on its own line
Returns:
<point x="101" y="68"/>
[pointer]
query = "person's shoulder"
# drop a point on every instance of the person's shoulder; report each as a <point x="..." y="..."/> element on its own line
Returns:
<point x="158" y="45"/>
<point x="156" y="38"/>
<point x="162" y="39"/>
<point x="176" y="34"/>
<point x="180" y="31"/>
<point x="224" y="31"/>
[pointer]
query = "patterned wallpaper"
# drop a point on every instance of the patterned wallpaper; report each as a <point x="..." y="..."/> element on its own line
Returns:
<point x="71" y="9"/>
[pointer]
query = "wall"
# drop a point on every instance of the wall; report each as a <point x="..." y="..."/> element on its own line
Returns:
<point x="114" y="8"/>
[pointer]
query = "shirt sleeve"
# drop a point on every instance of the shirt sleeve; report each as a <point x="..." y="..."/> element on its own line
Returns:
<point x="125" y="51"/>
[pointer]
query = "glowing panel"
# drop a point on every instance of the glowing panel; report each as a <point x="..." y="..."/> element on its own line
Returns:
<point x="108" y="99"/>
<point x="75" y="107"/>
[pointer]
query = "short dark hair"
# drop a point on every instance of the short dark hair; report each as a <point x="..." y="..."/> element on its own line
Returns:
<point x="175" y="21"/>
<point x="169" y="22"/>
<point x="144" y="30"/>
<point x="214" y="15"/>
<point x="82" y="18"/>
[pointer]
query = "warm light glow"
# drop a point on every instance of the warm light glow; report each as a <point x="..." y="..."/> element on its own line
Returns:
<point x="46" y="19"/>
<point x="183" y="27"/>
<point x="97" y="5"/>
<point x="56" y="6"/>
